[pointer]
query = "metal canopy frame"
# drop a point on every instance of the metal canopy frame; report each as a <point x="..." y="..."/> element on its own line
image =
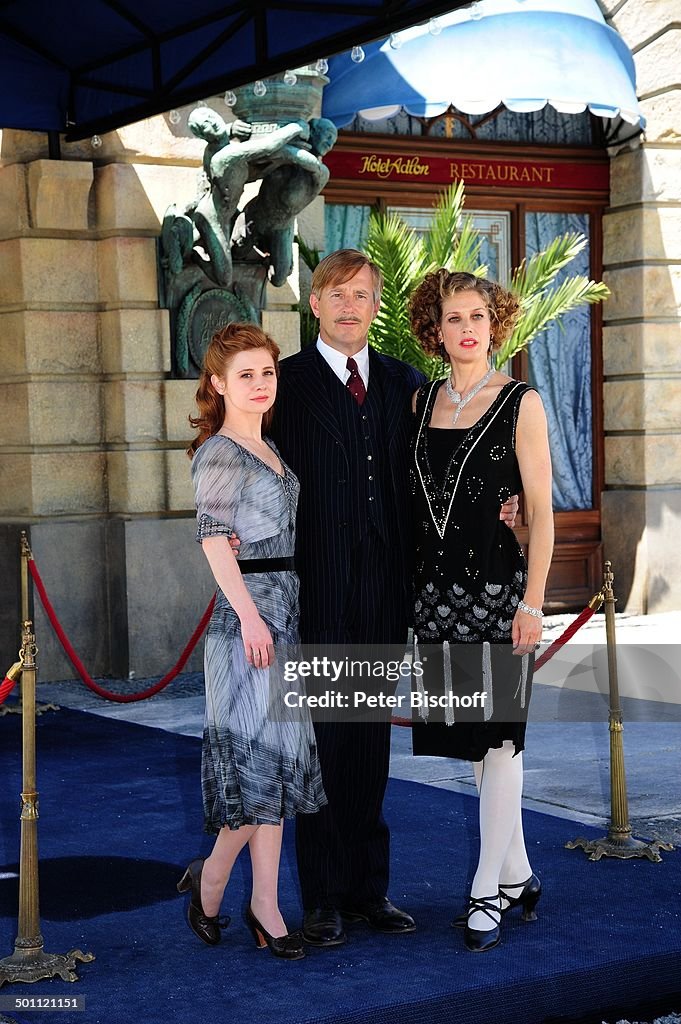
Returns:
<point x="90" y="91"/>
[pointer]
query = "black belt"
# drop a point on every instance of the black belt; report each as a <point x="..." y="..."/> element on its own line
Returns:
<point x="249" y="565"/>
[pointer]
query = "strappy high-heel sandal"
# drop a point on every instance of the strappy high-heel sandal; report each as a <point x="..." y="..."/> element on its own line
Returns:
<point x="528" y="897"/>
<point x="480" y="941"/>
<point x="207" y="928"/>
<point x="288" y="947"/>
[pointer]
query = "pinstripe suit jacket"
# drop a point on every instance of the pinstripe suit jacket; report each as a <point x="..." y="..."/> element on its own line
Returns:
<point x="310" y="439"/>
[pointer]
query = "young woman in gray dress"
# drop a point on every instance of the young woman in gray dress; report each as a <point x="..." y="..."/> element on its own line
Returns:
<point x="258" y="766"/>
<point x="480" y="437"/>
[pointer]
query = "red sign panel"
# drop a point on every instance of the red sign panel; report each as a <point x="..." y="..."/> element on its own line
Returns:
<point x="438" y="170"/>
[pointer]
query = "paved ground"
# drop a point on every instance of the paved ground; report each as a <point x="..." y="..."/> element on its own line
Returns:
<point x="567" y="755"/>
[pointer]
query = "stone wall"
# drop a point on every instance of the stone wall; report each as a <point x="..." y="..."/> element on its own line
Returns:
<point x="642" y="325"/>
<point x="93" y="430"/>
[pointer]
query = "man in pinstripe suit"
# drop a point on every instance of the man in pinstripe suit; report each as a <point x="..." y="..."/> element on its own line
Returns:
<point x="343" y="424"/>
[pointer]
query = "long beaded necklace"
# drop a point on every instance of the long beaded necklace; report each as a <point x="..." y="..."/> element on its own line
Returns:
<point x="461" y="401"/>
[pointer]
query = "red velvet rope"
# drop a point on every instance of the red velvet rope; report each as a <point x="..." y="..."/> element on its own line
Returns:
<point x="566" y="635"/>
<point x="82" y="671"/>
<point x="6" y="687"/>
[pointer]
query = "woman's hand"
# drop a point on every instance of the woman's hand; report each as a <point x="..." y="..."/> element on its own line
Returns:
<point x="257" y="641"/>
<point x="525" y="633"/>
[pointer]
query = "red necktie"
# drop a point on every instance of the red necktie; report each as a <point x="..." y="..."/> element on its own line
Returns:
<point x="354" y="383"/>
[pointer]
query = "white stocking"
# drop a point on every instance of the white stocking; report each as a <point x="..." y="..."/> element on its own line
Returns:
<point x="516" y="868"/>
<point x="500" y="783"/>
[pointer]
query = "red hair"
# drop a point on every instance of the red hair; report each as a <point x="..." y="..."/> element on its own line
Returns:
<point x="223" y="346"/>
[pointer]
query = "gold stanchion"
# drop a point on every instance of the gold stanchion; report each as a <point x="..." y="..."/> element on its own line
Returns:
<point x="619" y="841"/>
<point x="29" y="962"/>
<point x="26" y="557"/>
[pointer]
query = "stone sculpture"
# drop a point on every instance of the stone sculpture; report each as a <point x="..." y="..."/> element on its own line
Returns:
<point x="217" y="260"/>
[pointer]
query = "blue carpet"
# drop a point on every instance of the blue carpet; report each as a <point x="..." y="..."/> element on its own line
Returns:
<point x="121" y="817"/>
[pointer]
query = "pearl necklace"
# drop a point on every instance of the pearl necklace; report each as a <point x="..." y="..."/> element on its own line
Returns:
<point x="461" y="401"/>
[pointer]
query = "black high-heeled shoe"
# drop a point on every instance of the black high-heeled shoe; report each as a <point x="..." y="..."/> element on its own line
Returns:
<point x="528" y="897"/>
<point x="207" y="928"/>
<point x="480" y="941"/>
<point x="288" y="947"/>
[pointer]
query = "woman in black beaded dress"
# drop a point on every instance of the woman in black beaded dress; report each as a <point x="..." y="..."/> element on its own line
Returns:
<point x="480" y="437"/>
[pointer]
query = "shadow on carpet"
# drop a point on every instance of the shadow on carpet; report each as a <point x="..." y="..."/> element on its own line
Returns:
<point x="120" y="808"/>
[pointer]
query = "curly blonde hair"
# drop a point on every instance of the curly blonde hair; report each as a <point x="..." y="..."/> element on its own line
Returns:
<point x="425" y="306"/>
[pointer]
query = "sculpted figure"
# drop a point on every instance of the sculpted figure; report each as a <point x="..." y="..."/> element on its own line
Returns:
<point x="267" y="223"/>
<point x="233" y="156"/>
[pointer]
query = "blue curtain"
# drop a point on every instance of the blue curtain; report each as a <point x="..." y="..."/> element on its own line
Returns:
<point x="345" y="226"/>
<point x="560" y="369"/>
<point x="543" y="127"/>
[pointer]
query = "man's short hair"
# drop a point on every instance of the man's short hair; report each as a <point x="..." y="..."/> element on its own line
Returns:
<point x="338" y="267"/>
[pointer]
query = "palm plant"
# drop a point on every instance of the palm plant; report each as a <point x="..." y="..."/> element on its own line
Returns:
<point x="452" y="242"/>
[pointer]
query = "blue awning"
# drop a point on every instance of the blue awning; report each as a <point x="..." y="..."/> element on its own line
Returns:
<point x="88" y="66"/>
<point x="519" y="53"/>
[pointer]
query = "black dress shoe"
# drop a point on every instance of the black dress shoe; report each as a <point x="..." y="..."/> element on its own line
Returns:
<point x="323" y="927"/>
<point x="382" y="916"/>
<point x="206" y="928"/>
<point x="527" y="898"/>
<point x="475" y="939"/>
<point x="286" y="947"/>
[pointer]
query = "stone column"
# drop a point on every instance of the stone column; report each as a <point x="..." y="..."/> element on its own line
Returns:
<point x="642" y="324"/>
<point x="52" y="467"/>
<point x="92" y="430"/>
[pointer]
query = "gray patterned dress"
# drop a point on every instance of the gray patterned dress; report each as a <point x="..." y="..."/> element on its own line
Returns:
<point x="256" y="767"/>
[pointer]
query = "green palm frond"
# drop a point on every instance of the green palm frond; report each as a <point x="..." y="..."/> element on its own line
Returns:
<point x="453" y="242"/>
<point x="536" y="274"/>
<point x="440" y="240"/>
<point x="398" y="251"/>
<point x="396" y="248"/>
<point x="547" y="306"/>
<point x="466" y="252"/>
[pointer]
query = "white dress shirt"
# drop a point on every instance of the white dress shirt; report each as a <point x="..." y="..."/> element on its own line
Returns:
<point x="339" y="362"/>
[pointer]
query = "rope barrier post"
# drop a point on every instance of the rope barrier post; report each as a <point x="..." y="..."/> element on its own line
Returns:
<point x="26" y="556"/>
<point x="619" y="841"/>
<point x="29" y="962"/>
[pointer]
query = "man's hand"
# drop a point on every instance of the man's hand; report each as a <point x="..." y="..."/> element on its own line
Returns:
<point x="234" y="543"/>
<point x="509" y="511"/>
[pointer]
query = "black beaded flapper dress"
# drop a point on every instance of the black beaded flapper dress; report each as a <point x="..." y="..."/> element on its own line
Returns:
<point x="470" y="573"/>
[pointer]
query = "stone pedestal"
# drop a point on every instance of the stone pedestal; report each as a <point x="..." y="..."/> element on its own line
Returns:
<point x="642" y="327"/>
